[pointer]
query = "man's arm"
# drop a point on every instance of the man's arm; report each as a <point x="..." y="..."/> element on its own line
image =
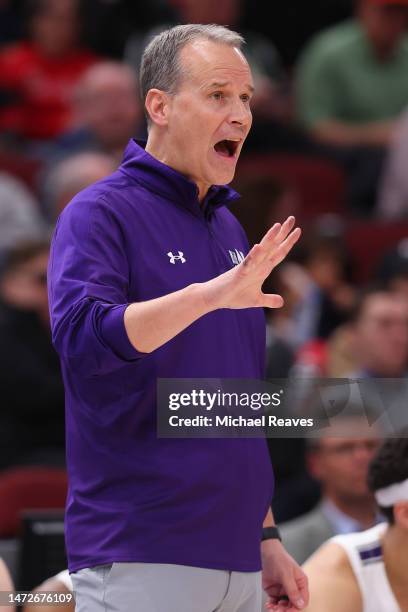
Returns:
<point x="340" y="133"/>
<point x="281" y="575"/>
<point x="151" y="324"/>
<point x="332" y="582"/>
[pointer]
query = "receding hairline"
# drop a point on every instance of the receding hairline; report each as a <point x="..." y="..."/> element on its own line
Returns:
<point x="187" y="64"/>
<point x="172" y="42"/>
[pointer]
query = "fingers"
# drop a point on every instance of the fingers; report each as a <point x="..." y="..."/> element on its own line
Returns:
<point x="271" y="300"/>
<point x="254" y="258"/>
<point x="283" y="249"/>
<point x="292" y="595"/>
<point x="281" y="604"/>
<point x="286" y="228"/>
<point x="271" y="235"/>
<point x="276" y="235"/>
<point x="303" y="585"/>
<point x="276" y="242"/>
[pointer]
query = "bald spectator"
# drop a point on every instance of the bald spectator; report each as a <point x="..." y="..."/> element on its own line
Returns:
<point x="38" y="75"/>
<point x="107" y="111"/>
<point x="353" y="78"/>
<point x="73" y="174"/>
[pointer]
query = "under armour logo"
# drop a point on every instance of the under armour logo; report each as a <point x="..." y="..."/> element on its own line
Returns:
<point x="179" y="257"/>
<point x="236" y="256"/>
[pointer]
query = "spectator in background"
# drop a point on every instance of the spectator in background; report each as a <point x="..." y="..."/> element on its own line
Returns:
<point x="73" y="174"/>
<point x="107" y="112"/>
<point x="353" y="78"/>
<point x="340" y="464"/>
<point x="316" y="291"/>
<point x="352" y="84"/>
<point x="20" y="217"/>
<point x="381" y="334"/>
<point x="32" y="413"/>
<point x="364" y="572"/>
<point x="38" y="75"/>
<point x="393" y="190"/>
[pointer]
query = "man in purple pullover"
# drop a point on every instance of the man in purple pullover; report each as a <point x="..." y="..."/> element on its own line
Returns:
<point x="148" y="280"/>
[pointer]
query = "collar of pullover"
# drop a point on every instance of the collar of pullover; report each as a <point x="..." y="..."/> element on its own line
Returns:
<point x="170" y="183"/>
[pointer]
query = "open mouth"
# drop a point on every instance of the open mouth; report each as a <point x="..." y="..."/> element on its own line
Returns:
<point x="226" y="148"/>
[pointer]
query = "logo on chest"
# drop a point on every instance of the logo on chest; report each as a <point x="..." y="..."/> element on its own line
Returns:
<point x="236" y="256"/>
<point x="176" y="258"/>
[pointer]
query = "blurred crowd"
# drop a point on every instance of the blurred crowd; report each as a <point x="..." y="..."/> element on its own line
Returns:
<point x="328" y="144"/>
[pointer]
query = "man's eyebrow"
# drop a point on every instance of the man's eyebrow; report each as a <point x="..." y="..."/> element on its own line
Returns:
<point x="221" y="84"/>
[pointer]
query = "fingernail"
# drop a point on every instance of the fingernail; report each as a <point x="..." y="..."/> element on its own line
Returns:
<point x="300" y="603"/>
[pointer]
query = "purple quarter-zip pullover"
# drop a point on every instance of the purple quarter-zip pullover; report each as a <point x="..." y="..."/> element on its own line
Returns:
<point x="137" y="235"/>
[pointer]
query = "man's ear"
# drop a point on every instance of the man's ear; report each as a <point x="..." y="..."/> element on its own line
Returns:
<point x="401" y="514"/>
<point x="157" y="106"/>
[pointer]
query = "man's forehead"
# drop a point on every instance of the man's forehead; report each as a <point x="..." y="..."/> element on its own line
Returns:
<point x="207" y="61"/>
<point x="380" y="304"/>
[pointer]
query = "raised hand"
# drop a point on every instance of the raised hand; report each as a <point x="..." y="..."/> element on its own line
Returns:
<point x="241" y="287"/>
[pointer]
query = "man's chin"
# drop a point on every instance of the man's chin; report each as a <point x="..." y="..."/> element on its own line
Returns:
<point x="223" y="178"/>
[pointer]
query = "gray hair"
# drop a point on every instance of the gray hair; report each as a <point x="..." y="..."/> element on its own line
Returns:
<point x="161" y="67"/>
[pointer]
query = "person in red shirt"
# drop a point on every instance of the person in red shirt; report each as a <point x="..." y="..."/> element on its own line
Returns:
<point x="38" y="76"/>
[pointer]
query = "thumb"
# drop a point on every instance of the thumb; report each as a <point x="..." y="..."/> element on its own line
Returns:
<point x="272" y="300"/>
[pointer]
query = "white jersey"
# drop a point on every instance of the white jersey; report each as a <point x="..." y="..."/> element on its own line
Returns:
<point x="364" y="552"/>
<point x="65" y="578"/>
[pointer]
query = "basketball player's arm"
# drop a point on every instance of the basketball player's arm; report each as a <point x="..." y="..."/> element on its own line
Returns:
<point x="6" y="584"/>
<point x="152" y="323"/>
<point x="55" y="586"/>
<point x="332" y="584"/>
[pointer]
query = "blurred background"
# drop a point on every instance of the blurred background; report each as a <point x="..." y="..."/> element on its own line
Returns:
<point x="329" y="144"/>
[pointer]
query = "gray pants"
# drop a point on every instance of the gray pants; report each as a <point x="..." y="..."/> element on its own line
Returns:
<point x="151" y="587"/>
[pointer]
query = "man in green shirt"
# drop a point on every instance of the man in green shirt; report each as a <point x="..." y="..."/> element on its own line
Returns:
<point x="352" y="80"/>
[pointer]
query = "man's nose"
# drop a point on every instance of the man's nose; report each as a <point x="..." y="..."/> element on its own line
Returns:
<point x="240" y="113"/>
<point x="363" y="453"/>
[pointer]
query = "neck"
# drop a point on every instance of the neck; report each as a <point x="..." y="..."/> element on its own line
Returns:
<point x="395" y="550"/>
<point x="158" y="149"/>
<point x="361" y="509"/>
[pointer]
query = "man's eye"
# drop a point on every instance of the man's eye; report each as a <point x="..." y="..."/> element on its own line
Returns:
<point x="245" y="98"/>
<point x="217" y="95"/>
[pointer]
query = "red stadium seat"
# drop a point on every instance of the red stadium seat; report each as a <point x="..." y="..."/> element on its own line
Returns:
<point x="26" y="488"/>
<point x="368" y="241"/>
<point x="27" y="170"/>
<point x="319" y="183"/>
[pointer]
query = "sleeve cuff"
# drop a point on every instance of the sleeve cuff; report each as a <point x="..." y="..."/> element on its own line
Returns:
<point x="115" y="336"/>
